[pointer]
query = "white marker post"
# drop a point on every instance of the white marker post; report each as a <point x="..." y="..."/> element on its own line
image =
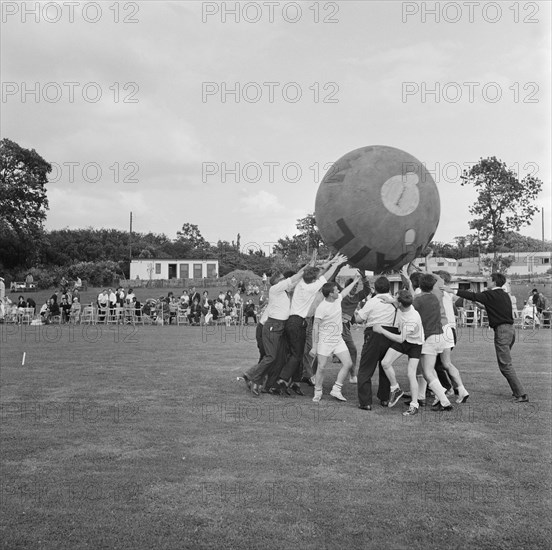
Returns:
<point x="23" y="360"/>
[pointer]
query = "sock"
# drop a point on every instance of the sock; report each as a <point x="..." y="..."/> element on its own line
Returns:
<point x="338" y="386"/>
<point x="396" y="387"/>
<point x="415" y="404"/>
<point x="461" y="390"/>
<point x="422" y="386"/>
<point x="439" y="391"/>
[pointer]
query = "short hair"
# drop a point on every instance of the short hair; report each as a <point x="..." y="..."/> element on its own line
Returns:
<point x="445" y="275"/>
<point x="310" y="274"/>
<point x="327" y="288"/>
<point x="382" y="285"/>
<point x="534" y="290"/>
<point x="274" y="278"/>
<point x="500" y="280"/>
<point x="349" y="281"/>
<point x="415" y="279"/>
<point x="427" y="282"/>
<point x="404" y="298"/>
<point x="289" y="273"/>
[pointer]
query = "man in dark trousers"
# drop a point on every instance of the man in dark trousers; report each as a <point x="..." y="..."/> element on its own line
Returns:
<point x="375" y="345"/>
<point x="499" y="311"/>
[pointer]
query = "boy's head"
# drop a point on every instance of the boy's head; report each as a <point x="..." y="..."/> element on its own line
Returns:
<point x="415" y="279"/>
<point x="382" y="285"/>
<point x="427" y="282"/>
<point x="310" y="274"/>
<point x="404" y="298"/>
<point x="499" y="280"/>
<point x="328" y="288"/>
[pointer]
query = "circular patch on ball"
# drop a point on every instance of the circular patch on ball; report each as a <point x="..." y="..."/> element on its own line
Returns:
<point x="379" y="206"/>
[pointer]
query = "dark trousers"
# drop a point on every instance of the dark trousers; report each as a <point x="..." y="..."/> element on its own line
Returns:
<point x="348" y="339"/>
<point x="296" y="334"/>
<point x="273" y="332"/>
<point x="373" y="351"/>
<point x="504" y="339"/>
<point x="442" y="374"/>
<point x="259" y="338"/>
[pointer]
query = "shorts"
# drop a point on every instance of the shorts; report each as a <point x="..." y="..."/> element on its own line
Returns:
<point x="332" y="345"/>
<point x="436" y="344"/>
<point x="414" y="351"/>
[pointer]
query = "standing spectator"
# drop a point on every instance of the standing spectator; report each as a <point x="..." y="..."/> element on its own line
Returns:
<point x="130" y="297"/>
<point x="194" y="295"/>
<point x="2" y="288"/>
<point x="121" y="296"/>
<point x="265" y="282"/>
<point x="112" y="300"/>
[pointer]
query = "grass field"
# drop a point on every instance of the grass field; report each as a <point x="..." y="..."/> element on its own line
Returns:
<point x="123" y="437"/>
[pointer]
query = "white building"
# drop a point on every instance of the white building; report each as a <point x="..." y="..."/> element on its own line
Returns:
<point x="157" y="268"/>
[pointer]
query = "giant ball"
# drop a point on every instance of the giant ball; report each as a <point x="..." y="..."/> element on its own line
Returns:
<point x="378" y="206"/>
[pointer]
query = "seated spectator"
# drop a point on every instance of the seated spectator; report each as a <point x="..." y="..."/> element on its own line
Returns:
<point x="262" y="299"/>
<point x="45" y="312"/>
<point x="31" y="303"/>
<point x="54" y="309"/>
<point x="221" y="296"/>
<point x="256" y="289"/>
<point x="75" y="311"/>
<point x="195" y="313"/>
<point x="78" y="283"/>
<point x="249" y="289"/>
<point x="21" y="302"/>
<point x="65" y="309"/>
<point x="241" y="287"/>
<point x="185" y="298"/>
<point x="249" y="311"/>
<point x="219" y="306"/>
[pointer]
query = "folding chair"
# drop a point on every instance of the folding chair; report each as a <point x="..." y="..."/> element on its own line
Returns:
<point x="87" y="315"/>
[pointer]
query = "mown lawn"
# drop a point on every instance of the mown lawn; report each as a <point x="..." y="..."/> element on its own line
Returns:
<point x="124" y="437"/>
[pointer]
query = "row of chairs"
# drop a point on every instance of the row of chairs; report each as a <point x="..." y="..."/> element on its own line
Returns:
<point x="478" y="318"/>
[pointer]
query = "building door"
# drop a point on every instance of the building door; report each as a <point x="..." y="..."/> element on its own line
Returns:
<point x="211" y="270"/>
<point x="172" y="271"/>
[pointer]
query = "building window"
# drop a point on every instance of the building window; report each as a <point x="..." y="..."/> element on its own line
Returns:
<point x="546" y="260"/>
<point x="440" y="263"/>
<point x="459" y="264"/>
<point x="421" y="264"/>
<point x="198" y="271"/>
<point x="157" y="269"/>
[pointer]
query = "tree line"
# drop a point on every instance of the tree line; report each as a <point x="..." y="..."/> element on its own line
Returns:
<point x="505" y="203"/>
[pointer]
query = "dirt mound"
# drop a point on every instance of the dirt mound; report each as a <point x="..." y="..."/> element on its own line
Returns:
<point x="244" y="275"/>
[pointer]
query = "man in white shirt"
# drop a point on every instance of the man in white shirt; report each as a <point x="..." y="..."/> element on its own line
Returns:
<point x="375" y="312"/>
<point x="273" y="328"/>
<point x="296" y="327"/>
<point x="327" y="338"/>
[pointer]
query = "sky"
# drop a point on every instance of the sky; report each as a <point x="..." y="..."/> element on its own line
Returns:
<point x="227" y="115"/>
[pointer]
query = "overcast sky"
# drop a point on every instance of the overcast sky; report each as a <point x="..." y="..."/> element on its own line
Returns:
<point x="142" y="92"/>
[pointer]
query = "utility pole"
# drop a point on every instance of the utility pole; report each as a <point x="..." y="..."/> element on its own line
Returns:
<point x="130" y="240"/>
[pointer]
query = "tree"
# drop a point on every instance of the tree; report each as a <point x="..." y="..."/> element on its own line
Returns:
<point x="191" y="235"/>
<point x="504" y="202"/>
<point x="23" y="202"/>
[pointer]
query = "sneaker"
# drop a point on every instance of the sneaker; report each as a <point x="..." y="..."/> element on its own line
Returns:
<point x="449" y="392"/>
<point x="411" y="411"/>
<point x="256" y="389"/>
<point x="317" y="396"/>
<point x="522" y="399"/>
<point x="307" y="381"/>
<point x="337" y="394"/>
<point x="422" y="402"/>
<point x="462" y="398"/>
<point x="435" y="402"/>
<point x="295" y="387"/>
<point x="246" y="379"/>
<point x="384" y="403"/>
<point x="394" y="396"/>
<point x="441" y="408"/>
<point x="353" y="380"/>
<point x="365" y="407"/>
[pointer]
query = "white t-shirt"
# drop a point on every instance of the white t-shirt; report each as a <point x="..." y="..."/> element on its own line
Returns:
<point x="449" y="309"/>
<point x="410" y="326"/>
<point x="331" y="325"/>
<point x="303" y="296"/>
<point x="278" y="301"/>
<point x="377" y="312"/>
